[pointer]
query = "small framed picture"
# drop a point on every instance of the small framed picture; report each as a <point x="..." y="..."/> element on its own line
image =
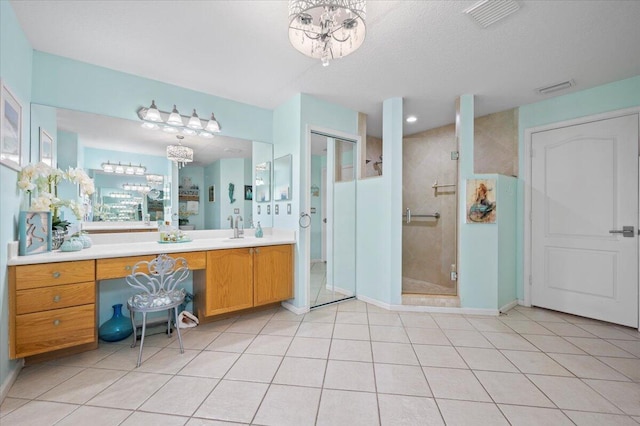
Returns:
<point x="46" y="147"/>
<point x="10" y="129"/>
<point x="248" y="192"/>
<point x="212" y="193"/>
<point x="34" y="233"/>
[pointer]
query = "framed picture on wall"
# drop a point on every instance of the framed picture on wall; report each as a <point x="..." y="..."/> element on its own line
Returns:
<point x="46" y="147"/>
<point x="212" y="193"/>
<point x="10" y="129"/>
<point x="481" y="201"/>
<point x="248" y="192"/>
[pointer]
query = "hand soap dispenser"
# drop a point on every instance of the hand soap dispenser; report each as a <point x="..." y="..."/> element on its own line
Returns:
<point x="258" y="231"/>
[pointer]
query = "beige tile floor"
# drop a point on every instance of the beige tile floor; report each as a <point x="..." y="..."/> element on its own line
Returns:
<point x="348" y="364"/>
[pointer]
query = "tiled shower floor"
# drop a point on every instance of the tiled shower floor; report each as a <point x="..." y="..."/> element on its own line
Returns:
<point x="348" y="364"/>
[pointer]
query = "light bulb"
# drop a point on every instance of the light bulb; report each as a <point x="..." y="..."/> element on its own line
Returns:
<point x="194" y="122"/>
<point x="152" y="113"/>
<point x="174" y="118"/>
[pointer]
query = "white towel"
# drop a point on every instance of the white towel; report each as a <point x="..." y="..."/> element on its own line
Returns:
<point x="193" y="206"/>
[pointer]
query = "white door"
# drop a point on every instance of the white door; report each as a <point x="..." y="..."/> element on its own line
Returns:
<point x="323" y="213"/>
<point x="584" y="185"/>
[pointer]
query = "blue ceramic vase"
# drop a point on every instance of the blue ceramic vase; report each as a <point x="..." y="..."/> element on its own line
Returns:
<point x="117" y="328"/>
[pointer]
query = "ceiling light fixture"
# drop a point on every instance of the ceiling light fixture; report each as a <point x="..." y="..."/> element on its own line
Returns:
<point x="174" y="122"/>
<point x="327" y="29"/>
<point x="180" y="154"/>
<point x="123" y="169"/>
<point x="412" y="119"/>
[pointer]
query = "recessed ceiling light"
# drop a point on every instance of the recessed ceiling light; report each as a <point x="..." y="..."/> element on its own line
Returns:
<point x="412" y="119"/>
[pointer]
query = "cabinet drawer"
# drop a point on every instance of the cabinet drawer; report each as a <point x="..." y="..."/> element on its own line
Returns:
<point x="120" y="267"/>
<point x="51" y="274"/>
<point x="55" y="297"/>
<point x="51" y="330"/>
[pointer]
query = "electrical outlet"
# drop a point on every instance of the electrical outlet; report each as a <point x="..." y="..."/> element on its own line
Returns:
<point x="236" y="211"/>
<point x="277" y="209"/>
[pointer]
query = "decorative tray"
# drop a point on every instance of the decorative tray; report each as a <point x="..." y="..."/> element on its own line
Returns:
<point x="183" y="240"/>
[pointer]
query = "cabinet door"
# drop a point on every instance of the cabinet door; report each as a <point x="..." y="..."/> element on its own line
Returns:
<point x="229" y="280"/>
<point x="272" y="274"/>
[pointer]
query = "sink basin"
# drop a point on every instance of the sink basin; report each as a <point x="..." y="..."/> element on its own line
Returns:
<point x="238" y="240"/>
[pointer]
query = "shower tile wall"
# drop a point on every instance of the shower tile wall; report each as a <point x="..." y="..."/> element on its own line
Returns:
<point x="428" y="244"/>
<point x="495" y="143"/>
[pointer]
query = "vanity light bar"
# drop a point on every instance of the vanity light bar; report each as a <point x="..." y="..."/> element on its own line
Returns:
<point x="174" y="122"/>
<point x="123" y="169"/>
<point x="136" y="187"/>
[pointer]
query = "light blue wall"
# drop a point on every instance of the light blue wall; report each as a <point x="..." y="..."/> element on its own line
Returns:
<point x="478" y="243"/>
<point x="506" y="201"/>
<point x="66" y="83"/>
<point x="291" y="122"/>
<point x="286" y="131"/>
<point x="15" y="72"/>
<point x="379" y="211"/>
<point x="608" y="97"/>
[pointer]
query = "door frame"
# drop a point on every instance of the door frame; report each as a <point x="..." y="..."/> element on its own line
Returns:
<point x="528" y="145"/>
<point x="307" y="184"/>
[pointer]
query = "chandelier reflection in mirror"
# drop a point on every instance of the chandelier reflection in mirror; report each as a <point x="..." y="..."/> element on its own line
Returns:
<point x="180" y="154"/>
<point x="327" y="29"/>
<point x="173" y="122"/>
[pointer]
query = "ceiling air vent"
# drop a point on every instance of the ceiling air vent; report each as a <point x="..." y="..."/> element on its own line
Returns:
<point x="487" y="12"/>
<point x="555" y="87"/>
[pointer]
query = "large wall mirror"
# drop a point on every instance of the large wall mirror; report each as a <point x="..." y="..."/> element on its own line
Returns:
<point x="218" y="183"/>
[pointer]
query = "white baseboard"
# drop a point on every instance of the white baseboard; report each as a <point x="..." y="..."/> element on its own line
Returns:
<point x="521" y="303"/>
<point x="298" y="311"/>
<point x="347" y="293"/>
<point x="509" y="305"/>
<point x="429" y="309"/>
<point x="10" y="380"/>
<point x="375" y="302"/>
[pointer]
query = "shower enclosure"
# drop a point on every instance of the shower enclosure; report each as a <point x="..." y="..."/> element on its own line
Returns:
<point x="429" y="240"/>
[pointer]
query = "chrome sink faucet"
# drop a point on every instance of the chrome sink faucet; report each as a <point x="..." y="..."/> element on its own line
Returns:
<point x="230" y="219"/>
<point x="238" y="230"/>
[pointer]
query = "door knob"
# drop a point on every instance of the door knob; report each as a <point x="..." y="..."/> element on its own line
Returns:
<point x="626" y="231"/>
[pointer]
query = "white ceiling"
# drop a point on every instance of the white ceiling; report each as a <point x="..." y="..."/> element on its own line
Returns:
<point x="427" y="52"/>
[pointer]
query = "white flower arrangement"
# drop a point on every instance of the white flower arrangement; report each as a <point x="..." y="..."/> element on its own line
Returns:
<point x="41" y="181"/>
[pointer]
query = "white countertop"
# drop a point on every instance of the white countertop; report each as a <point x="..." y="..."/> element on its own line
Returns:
<point x="145" y="243"/>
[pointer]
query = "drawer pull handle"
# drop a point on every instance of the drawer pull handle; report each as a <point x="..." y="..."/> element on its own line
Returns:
<point x="56" y="322"/>
<point x="56" y="275"/>
<point x="127" y="268"/>
<point x="56" y="298"/>
<point x="257" y="250"/>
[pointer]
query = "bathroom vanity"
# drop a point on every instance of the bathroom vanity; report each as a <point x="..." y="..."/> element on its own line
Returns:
<point x="53" y="297"/>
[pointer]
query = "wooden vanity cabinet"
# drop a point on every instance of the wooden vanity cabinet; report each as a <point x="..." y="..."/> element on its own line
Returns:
<point x="229" y="281"/>
<point x="51" y="306"/>
<point x="272" y="274"/>
<point x="243" y="278"/>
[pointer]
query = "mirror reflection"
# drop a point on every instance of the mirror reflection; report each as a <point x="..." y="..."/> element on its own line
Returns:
<point x="263" y="182"/>
<point x="142" y="189"/>
<point x="282" y="178"/>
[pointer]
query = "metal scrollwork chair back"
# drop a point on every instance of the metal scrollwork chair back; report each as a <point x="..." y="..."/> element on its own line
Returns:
<point x="156" y="282"/>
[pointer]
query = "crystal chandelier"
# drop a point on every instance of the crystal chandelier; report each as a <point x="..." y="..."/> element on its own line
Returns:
<point x="173" y="122"/>
<point x="327" y="29"/>
<point x="180" y="154"/>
